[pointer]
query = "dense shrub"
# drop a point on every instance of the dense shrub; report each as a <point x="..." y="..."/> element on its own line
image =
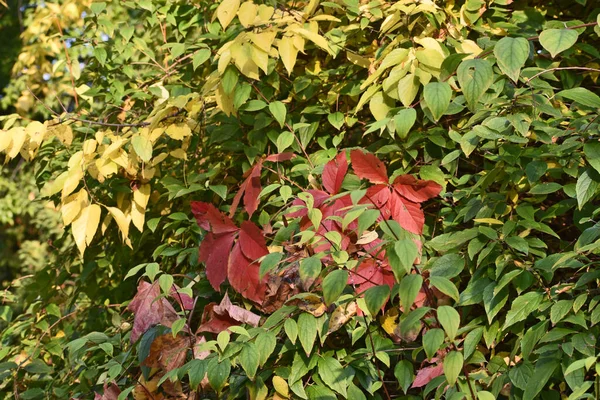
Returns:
<point x="317" y="200"/>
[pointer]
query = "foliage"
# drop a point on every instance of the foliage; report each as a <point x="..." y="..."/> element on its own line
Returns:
<point x="329" y="200"/>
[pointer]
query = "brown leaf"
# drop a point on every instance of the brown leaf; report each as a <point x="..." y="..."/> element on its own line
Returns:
<point x="310" y="303"/>
<point x="149" y="309"/>
<point x="217" y="318"/>
<point x="168" y="352"/>
<point x="341" y="315"/>
<point x="110" y="392"/>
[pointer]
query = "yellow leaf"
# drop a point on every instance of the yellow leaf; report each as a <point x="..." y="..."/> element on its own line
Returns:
<point x="141" y="195"/>
<point x="358" y="60"/>
<point x="36" y="132"/>
<point x="18" y="137"/>
<point x="317" y="39"/>
<point x="224" y="102"/>
<point x="89" y="146"/>
<point x="389" y="321"/>
<point x="106" y="167"/>
<point x="5" y="139"/>
<point x="63" y="132"/>
<point x="247" y="13"/>
<point x="299" y="43"/>
<point x="55" y="186"/>
<point x="84" y="228"/>
<point x="73" y="205"/>
<point x="121" y="219"/>
<point x="242" y="57"/>
<point x="71" y="182"/>
<point x="492" y="221"/>
<point x="179" y="154"/>
<point x="408" y="87"/>
<point x="106" y="223"/>
<point x="288" y="53"/>
<point x="281" y="386"/>
<point x="264" y="14"/>
<point x="311" y="7"/>
<point x="263" y="40"/>
<point x="260" y="58"/>
<point x="178" y="131"/>
<point x="75" y="161"/>
<point x="226" y="11"/>
<point x="138" y="217"/>
<point x="379" y="106"/>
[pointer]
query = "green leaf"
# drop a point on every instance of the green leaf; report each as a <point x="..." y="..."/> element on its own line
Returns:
<point x="200" y="58"/>
<point x="592" y="154"/>
<point x="485" y="395"/>
<point x="142" y="147"/>
<point x="518" y="243"/>
<point x="521" y="375"/>
<point x="268" y="263"/>
<point x="403" y="257"/>
<point x="475" y="77"/>
<point x="333" y="374"/>
<point x="535" y="170"/>
<point x="445" y="286"/>
<point x="265" y="343"/>
<point x="284" y="140"/>
<point x="471" y="341"/>
<point x="587" y="185"/>
<point x="437" y="96"/>
<point x="521" y="307"/>
<point x="581" y="96"/>
<point x="223" y="339"/>
<point x="432" y="340"/>
<point x="404" y="121"/>
<point x="196" y="372"/>
<point x="310" y="268"/>
<point x="558" y="40"/>
<point x="559" y="310"/>
<point x="544" y="368"/>
<point x="291" y="329"/>
<point x="405" y="375"/>
<point x="453" y="363"/>
<point x="493" y="301"/>
<point x="546" y="188"/>
<point x="336" y="119"/>
<point x="307" y="331"/>
<point x="177" y="326"/>
<point x="448" y="266"/>
<point x="450" y="320"/>
<point x="409" y="289"/>
<point x="249" y="359"/>
<point x="375" y="298"/>
<point x="100" y="55"/>
<point x="334" y="284"/>
<point x="278" y="111"/>
<point x="218" y="372"/>
<point x="511" y="54"/>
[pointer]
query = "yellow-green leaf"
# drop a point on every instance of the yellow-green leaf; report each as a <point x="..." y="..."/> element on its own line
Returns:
<point x="226" y="11"/>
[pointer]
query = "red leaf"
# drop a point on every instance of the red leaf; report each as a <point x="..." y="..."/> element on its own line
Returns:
<point x="214" y="252"/>
<point x="250" y="189"/>
<point x="280" y="157"/>
<point x="416" y="190"/>
<point x="370" y="273"/>
<point x="252" y="241"/>
<point x="110" y="393"/>
<point x="148" y="310"/>
<point x="209" y="218"/>
<point x="367" y="166"/>
<point x="408" y="214"/>
<point x="243" y="276"/>
<point x="334" y="173"/>
<point x="425" y="375"/>
<point x="379" y="195"/>
<point x="218" y="318"/>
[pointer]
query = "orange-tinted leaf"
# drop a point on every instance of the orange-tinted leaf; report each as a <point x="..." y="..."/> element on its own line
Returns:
<point x="244" y="275"/>
<point x="367" y="166"/>
<point x="334" y="173"/>
<point x="416" y="190"/>
<point x="148" y="310"/>
<point x="408" y="214"/>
